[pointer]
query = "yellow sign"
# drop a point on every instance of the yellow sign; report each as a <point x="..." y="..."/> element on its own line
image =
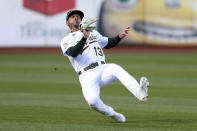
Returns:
<point x="156" y="22"/>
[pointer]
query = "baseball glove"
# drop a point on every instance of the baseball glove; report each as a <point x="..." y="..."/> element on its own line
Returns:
<point x="85" y="25"/>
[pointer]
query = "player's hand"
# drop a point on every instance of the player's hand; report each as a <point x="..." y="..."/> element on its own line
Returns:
<point x="124" y="32"/>
<point x="86" y="33"/>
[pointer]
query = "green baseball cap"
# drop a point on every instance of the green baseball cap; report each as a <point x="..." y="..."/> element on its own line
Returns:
<point x="71" y="12"/>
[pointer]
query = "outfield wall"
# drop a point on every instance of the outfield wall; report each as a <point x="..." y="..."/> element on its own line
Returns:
<point x="41" y="23"/>
<point x="153" y="22"/>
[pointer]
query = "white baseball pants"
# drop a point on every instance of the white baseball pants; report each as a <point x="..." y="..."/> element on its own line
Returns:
<point x="92" y="80"/>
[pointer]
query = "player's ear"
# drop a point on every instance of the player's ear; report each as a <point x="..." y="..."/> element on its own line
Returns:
<point x="67" y="23"/>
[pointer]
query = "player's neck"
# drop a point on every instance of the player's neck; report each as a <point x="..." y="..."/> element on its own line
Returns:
<point x="74" y="30"/>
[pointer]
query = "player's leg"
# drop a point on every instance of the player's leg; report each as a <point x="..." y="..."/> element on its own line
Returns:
<point x="91" y="92"/>
<point x="112" y="72"/>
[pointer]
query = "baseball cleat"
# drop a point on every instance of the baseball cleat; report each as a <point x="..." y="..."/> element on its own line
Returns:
<point x="144" y="85"/>
<point x="118" y="117"/>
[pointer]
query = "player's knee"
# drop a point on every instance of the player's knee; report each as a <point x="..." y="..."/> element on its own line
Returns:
<point x="115" y="66"/>
<point x="116" y="69"/>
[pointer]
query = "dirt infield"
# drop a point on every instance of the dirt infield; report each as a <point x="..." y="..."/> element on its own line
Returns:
<point x="118" y="49"/>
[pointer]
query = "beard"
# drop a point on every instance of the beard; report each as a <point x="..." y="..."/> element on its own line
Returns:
<point x="73" y="26"/>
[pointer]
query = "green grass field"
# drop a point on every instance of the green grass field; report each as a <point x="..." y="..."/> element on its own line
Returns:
<point x="41" y="92"/>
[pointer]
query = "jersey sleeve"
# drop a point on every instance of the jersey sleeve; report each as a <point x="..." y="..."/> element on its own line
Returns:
<point x="103" y="41"/>
<point x="65" y="44"/>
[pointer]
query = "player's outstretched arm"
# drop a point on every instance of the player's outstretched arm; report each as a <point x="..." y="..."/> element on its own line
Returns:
<point x="113" y="41"/>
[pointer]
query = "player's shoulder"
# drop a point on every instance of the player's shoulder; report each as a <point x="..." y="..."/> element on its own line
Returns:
<point x="65" y="40"/>
<point x="70" y="36"/>
<point x="67" y="37"/>
<point x="95" y="32"/>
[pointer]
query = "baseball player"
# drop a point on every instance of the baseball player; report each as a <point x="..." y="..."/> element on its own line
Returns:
<point x="84" y="50"/>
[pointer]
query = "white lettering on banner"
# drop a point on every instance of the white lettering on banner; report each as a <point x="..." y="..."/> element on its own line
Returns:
<point x="39" y="23"/>
<point x="40" y="30"/>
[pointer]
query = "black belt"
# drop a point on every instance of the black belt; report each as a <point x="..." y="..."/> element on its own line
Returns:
<point x="91" y="66"/>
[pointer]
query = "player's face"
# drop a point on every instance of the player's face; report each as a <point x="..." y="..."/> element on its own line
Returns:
<point x="74" y="20"/>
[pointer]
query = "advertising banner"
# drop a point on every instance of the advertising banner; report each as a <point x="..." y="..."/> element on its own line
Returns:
<point x="39" y="23"/>
<point x="42" y="23"/>
<point x="153" y="22"/>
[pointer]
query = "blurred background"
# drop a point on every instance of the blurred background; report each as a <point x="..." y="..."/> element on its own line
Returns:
<point x="41" y="23"/>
